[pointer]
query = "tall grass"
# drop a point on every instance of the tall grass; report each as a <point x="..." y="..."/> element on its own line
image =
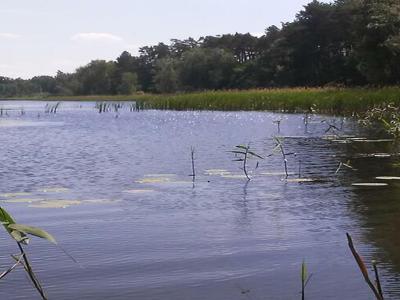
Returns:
<point x="322" y="100"/>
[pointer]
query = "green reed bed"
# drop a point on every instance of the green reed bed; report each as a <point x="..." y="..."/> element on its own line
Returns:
<point x="322" y="100"/>
<point x="327" y="100"/>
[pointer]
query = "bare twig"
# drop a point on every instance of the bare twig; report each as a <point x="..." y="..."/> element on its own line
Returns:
<point x="31" y="274"/>
<point x="19" y="260"/>
<point x="246" y="153"/>
<point x="363" y="268"/>
<point x="284" y="155"/>
<point x="377" y="280"/>
<point x="193" y="175"/>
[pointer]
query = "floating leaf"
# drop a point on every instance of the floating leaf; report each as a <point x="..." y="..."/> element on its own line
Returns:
<point x="370" y="184"/>
<point x="387" y="178"/>
<point x="55" y="203"/>
<point x="33" y="231"/>
<point x="12" y="195"/>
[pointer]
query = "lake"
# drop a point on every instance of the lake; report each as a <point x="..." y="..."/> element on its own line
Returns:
<point x="114" y="189"/>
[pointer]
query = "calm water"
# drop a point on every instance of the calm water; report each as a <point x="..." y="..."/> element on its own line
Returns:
<point x="113" y="188"/>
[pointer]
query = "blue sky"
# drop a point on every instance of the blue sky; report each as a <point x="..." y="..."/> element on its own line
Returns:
<point x="42" y="36"/>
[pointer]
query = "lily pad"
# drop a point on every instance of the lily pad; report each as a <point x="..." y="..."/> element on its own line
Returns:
<point x="12" y="195"/>
<point x="53" y="190"/>
<point x="138" y="191"/>
<point x="22" y="200"/>
<point x="216" y="172"/>
<point x="300" y="180"/>
<point x="234" y="176"/>
<point x="369" y="184"/>
<point x="275" y="173"/>
<point x="388" y="178"/>
<point x="98" y="201"/>
<point x="154" y="180"/>
<point x="55" y="203"/>
<point x="160" y="175"/>
<point x="375" y="141"/>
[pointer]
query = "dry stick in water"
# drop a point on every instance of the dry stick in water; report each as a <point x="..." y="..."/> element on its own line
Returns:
<point x="31" y="274"/>
<point x="193" y="175"/>
<point x="245" y="152"/>
<point x="19" y="260"/>
<point x="284" y="154"/>
<point x="377" y="280"/>
<point x="363" y="268"/>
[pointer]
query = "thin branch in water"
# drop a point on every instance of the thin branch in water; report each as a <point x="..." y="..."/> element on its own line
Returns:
<point x="245" y="152"/>
<point x="363" y="268"/>
<point x="346" y="164"/>
<point x="278" y="124"/>
<point x="31" y="274"/>
<point x="18" y="262"/>
<point x="193" y="175"/>
<point x="377" y="279"/>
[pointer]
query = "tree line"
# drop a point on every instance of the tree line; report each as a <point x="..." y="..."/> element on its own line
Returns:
<point x="344" y="43"/>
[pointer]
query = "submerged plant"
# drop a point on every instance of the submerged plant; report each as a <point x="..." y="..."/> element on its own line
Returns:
<point x="244" y="154"/>
<point x="20" y="233"/>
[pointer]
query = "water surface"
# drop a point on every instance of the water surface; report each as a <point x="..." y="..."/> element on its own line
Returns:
<point x="113" y="188"/>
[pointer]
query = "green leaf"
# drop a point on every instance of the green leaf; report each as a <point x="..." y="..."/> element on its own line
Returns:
<point x="6" y="220"/>
<point x="20" y="237"/>
<point x="34" y="231"/>
<point x="254" y="154"/>
<point x="303" y="272"/>
<point x="238" y="152"/>
<point x="242" y="147"/>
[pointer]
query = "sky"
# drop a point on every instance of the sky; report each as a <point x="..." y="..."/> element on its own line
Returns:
<point x="42" y="36"/>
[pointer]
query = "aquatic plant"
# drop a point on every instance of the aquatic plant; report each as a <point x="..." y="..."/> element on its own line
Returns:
<point x="20" y="233"/>
<point x="244" y="153"/>
<point x="331" y="127"/>
<point x="332" y="100"/>
<point x="193" y="175"/>
<point x="305" y="279"/>
<point x="278" y="125"/>
<point x="388" y="115"/>
<point x="279" y="147"/>
<point x="52" y="108"/>
<point x="376" y="289"/>
<point x="346" y="164"/>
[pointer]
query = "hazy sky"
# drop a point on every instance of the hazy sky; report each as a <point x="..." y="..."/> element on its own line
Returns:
<point x="43" y="36"/>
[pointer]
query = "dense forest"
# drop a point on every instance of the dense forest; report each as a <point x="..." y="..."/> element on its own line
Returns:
<point x="344" y="43"/>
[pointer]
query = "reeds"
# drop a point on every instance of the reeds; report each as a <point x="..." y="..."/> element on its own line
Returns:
<point x="321" y="100"/>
